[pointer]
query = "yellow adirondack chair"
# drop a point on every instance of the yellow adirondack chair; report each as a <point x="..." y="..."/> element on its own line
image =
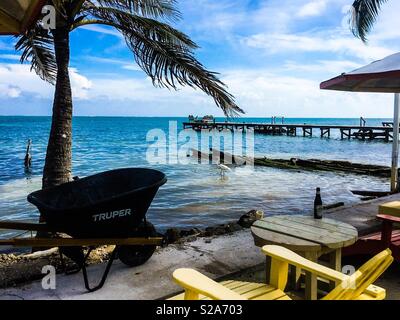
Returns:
<point x="358" y="286"/>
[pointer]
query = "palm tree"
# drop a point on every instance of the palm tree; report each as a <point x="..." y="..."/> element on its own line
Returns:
<point x="163" y="53"/>
<point x="364" y="15"/>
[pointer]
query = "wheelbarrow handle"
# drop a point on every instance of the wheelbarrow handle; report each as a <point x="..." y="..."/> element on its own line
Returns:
<point x="74" y="242"/>
<point x="20" y="225"/>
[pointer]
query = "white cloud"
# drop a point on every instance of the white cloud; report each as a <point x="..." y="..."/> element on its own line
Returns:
<point x="262" y="93"/>
<point x="102" y="30"/>
<point x="124" y="64"/>
<point x="259" y="92"/>
<point x="17" y="79"/>
<point x="316" y="42"/>
<point x="132" y="67"/>
<point x="274" y="27"/>
<point x="14" y="91"/>
<point x="105" y="60"/>
<point x="313" y="8"/>
<point x="20" y="76"/>
<point x="10" y="56"/>
<point x="386" y="27"/>
<point x="322" y="66"/>
<point x="212" y="20"/>
<point x="80" y="84"/>
<point x="141" y="90"/>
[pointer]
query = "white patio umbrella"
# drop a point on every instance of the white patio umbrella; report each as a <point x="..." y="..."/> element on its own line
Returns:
<point x="380" y="76"/>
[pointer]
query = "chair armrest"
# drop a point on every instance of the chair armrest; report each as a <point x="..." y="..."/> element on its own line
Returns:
<point x="373" y="292"/>
<point x="288" y="256"/>
<point x="389" y="218"/>
<point x="196" y="283"/>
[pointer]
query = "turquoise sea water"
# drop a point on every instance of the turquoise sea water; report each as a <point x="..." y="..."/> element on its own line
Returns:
<point x="195" y="195"/>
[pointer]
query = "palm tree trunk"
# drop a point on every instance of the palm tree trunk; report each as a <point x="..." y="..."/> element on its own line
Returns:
<point x="58" y="163"/>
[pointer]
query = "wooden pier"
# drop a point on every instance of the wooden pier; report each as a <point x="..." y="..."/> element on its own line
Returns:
<point x="384" y="132"/>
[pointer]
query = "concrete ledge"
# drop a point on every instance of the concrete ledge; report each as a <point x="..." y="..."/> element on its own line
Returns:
<point x="215" y="257"/>
<point x="223" y="255"/>
<point x="362" y="215"/>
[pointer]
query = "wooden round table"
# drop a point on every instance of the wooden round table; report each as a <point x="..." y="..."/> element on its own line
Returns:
<point x="308" y="237"/>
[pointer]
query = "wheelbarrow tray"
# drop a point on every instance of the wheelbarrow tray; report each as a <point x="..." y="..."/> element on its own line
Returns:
<point x="108" y="204"/>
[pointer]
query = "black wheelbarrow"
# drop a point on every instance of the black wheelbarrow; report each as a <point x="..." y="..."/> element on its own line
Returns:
<point x="108" y="208"/>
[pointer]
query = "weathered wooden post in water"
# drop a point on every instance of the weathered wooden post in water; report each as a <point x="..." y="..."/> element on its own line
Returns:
<point x="28" y="157"/>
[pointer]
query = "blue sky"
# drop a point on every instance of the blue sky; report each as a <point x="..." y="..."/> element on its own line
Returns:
<point x="272" y="54"/>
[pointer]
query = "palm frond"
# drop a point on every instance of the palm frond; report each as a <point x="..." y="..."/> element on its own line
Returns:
<point x="36" y="45"/>
<point x="147" y="8"/>
<point x="165" y="55"/>
<point x="169" y="66"/>
<point x="76" y="6"/>
<point x="364" y="15"/>
<point x="128" y="21"/>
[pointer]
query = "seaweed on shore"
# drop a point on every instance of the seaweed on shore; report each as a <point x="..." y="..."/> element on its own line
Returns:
<point x="296" y="164"/>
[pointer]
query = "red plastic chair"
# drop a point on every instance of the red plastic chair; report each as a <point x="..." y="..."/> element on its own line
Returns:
<point x="376" y="242"/>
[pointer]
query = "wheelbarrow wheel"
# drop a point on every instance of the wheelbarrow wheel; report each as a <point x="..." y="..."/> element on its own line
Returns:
<point x="137" y="255"/>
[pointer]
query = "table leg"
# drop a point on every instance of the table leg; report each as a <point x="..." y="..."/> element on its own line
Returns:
<point x="311" y="279"/>
<point x="335" y="262"/>
<point x="268" y="269"/>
